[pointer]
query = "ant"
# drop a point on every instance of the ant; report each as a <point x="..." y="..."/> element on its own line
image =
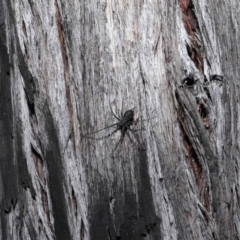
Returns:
<point x="124" y="125"/>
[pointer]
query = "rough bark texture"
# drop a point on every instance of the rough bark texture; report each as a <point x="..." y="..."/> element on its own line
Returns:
<point x="64" y="63"/>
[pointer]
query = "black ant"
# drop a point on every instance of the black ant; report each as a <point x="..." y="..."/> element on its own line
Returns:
<point x="124" y="124"/>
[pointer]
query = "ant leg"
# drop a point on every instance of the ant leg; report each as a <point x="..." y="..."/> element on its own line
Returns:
<point x="99" y="130"/>
<point x="101" y="137"/>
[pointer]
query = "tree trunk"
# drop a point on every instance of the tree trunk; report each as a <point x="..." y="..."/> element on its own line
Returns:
<point x="67" y="67"/>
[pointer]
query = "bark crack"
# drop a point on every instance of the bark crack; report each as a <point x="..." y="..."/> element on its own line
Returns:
<point x="191" y="25"/>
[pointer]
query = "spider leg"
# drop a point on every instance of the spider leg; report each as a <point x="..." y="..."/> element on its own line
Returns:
<point x="99" y="130"/>
<point x="122" y="109"/>
<point x="120" y="141"/>
<point x="134" y="122"/>
<point x="113" y="112"/>
<point x="102" y="137"/>
<point x="121" y="114"/>
<point x="130" y="138"/>
<point x="135" y="137"/>
<point x="139" y="129"/>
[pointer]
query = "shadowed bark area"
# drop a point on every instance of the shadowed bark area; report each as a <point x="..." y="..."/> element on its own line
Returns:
<point x="56" y="180"/>
<point x="65" y="67"/>
<point x="9" y="184"/>
<point x="130" y="215"/>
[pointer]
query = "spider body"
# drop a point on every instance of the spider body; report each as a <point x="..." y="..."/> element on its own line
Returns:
<point x="124" y="125"/>
<point x="126" y="121"/>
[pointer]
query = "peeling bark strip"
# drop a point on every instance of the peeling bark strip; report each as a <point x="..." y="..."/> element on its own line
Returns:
<point x="191" y="25"/>
<point x="64" y="56"/>
<point x="193" y="156"/>
<point x="28" y="79"/>
<point x="204" y="159"/>
<point x="62" y="41"/>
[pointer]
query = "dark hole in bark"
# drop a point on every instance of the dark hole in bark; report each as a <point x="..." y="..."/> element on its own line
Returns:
<point x="205" y="79"/>
<point x="190" y="5"/>
<point x="189" y="50"/>
<point x="82" y="230"/>
<point x="207" y="93"/>
<point x="109" y="234"/>
<point x="216" y="77"/>
<point x="74" y="202"/>
<point x="202" y="110"/>
<point x="111" y="198"/>
<point x="150" y="227"/>
<point x="188" y="81"/>
<point x="7" y="210"/>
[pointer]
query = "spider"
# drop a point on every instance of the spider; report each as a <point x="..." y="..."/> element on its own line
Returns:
<point x="124" y="124"/>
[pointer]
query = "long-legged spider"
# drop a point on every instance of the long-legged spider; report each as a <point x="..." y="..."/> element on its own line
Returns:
<point x="124" y="125"/>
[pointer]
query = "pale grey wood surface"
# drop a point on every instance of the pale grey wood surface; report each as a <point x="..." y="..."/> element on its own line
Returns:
<point x="64" y="63"/>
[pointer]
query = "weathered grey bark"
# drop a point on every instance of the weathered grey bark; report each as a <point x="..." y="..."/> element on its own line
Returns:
<point x="63" y="63"/>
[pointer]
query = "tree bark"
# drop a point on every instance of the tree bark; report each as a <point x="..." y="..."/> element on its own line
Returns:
<point x="64" y="65"/>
